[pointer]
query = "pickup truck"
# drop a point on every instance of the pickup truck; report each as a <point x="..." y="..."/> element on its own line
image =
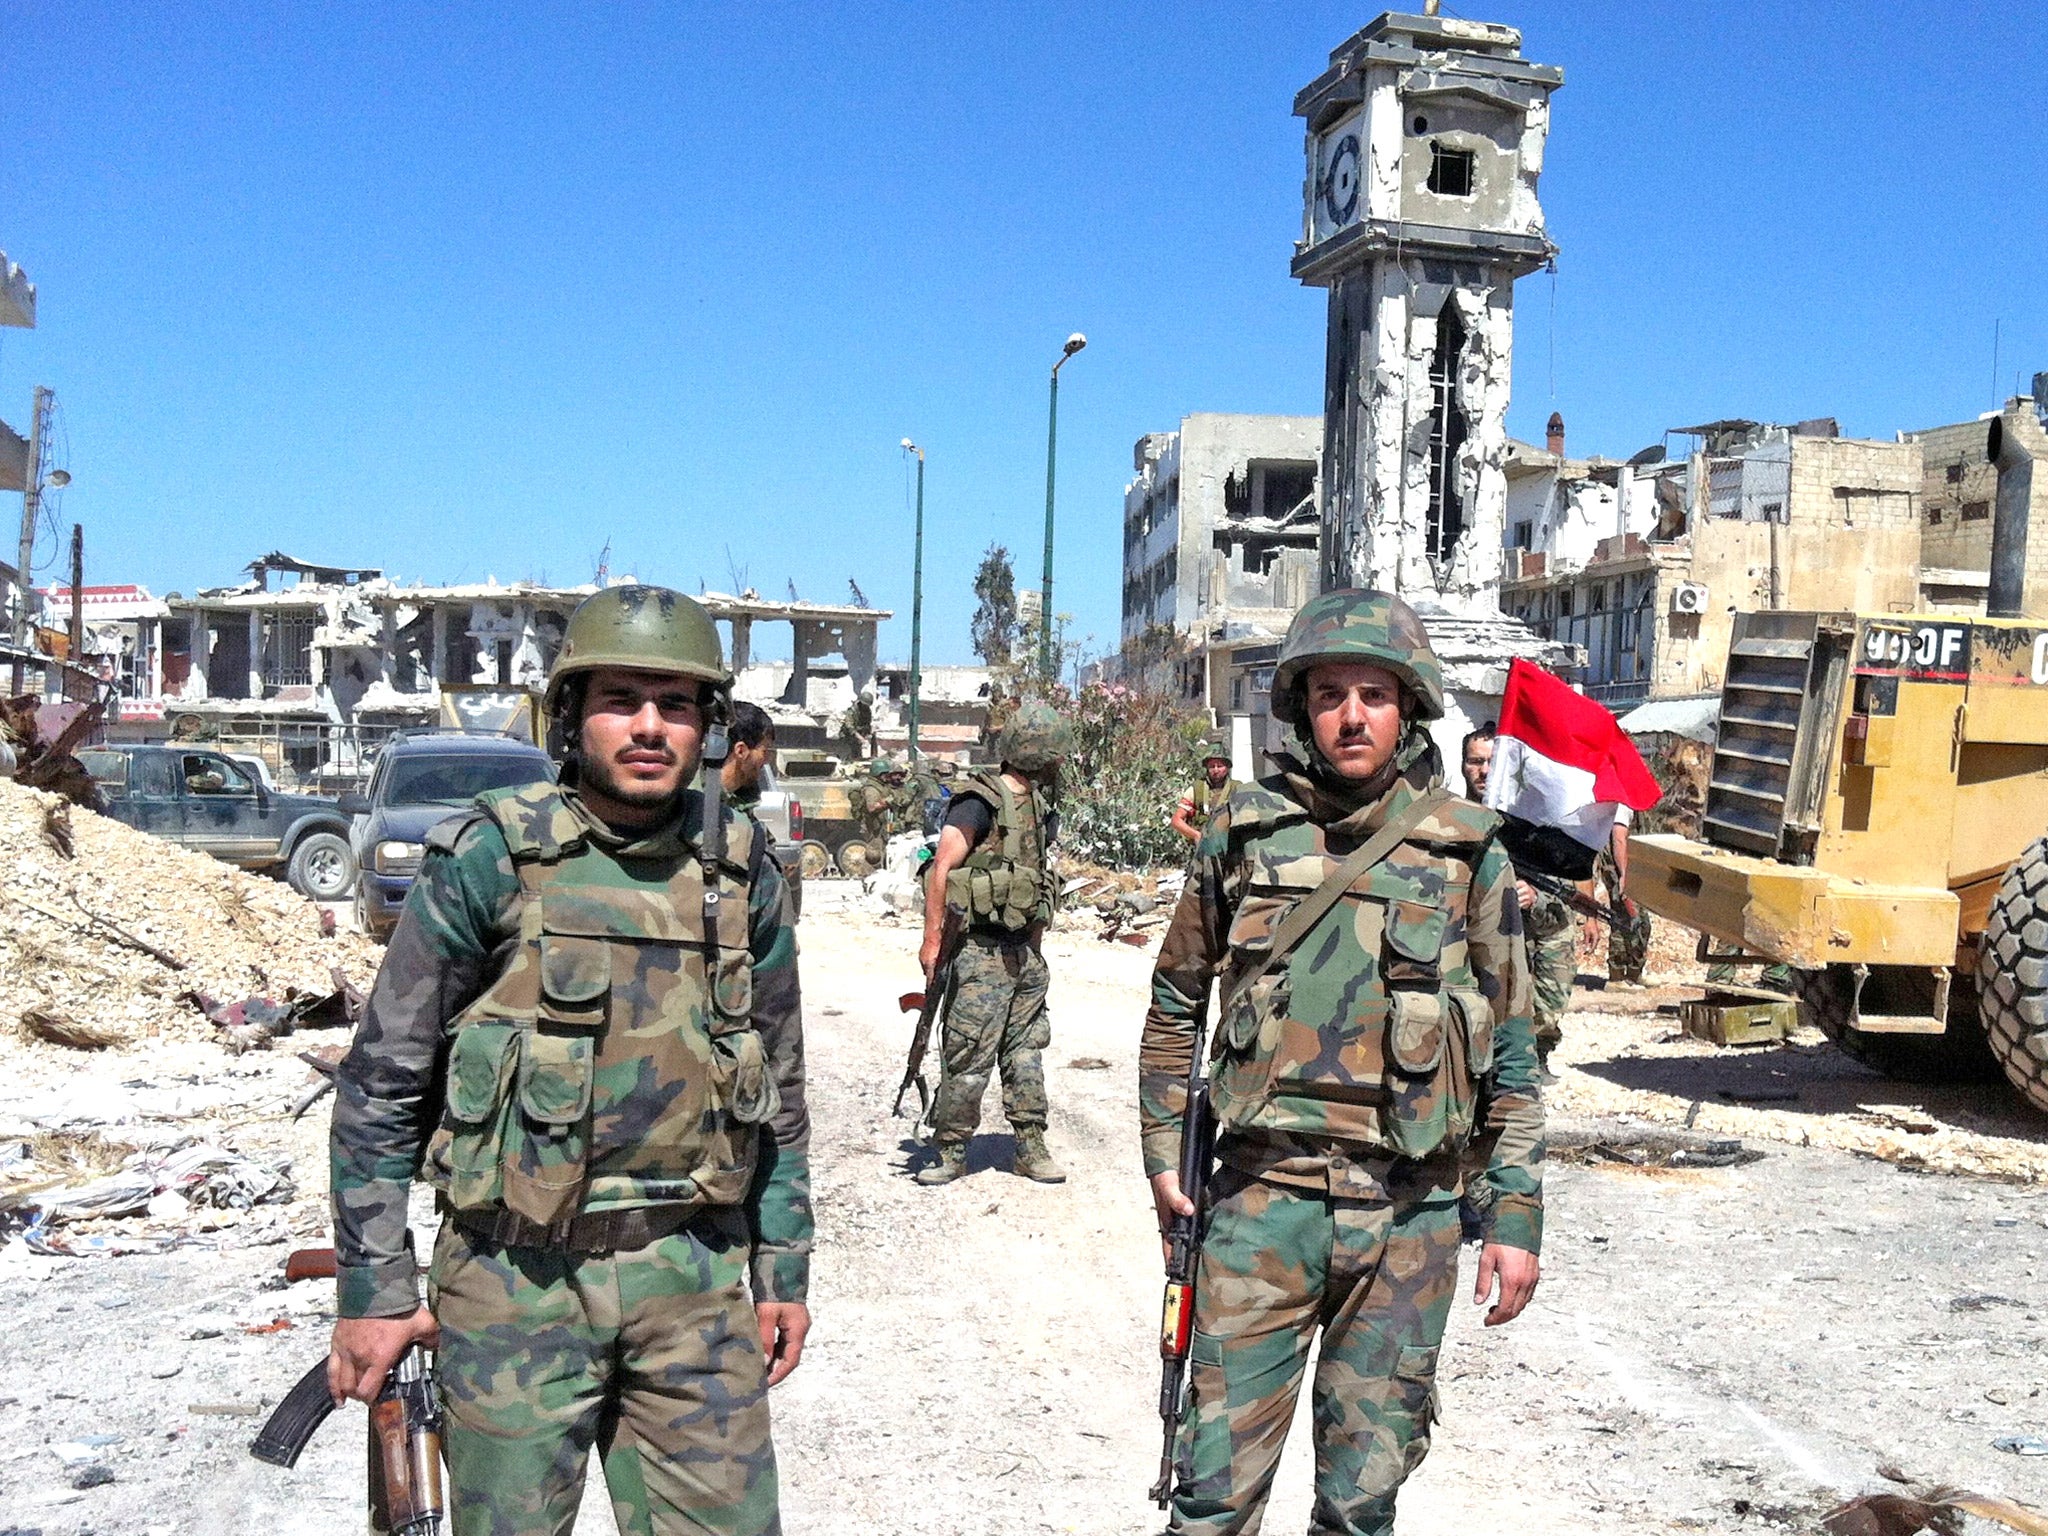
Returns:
<point x="422" y="779"/>
<point x="203" y="799"/>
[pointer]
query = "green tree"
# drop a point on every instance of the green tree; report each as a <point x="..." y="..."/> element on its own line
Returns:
<point x="994" y="628"/>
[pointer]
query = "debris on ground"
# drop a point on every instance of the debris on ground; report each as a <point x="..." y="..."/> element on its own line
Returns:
<point x="168" y="1186"/>
<point x="99" y="945"/>
<point x="254" y="1022"/>
<point x="44" y="739"/>
<point x="1937" y="1510"/>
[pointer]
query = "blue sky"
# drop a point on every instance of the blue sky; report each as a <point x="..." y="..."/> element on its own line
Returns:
<point x="474" y="292"/>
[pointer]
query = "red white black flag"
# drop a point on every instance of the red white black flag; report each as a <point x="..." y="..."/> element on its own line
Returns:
<point x="1561" y="760"/>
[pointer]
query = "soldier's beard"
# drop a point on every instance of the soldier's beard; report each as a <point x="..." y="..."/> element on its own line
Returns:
<point x="595" y="776"/>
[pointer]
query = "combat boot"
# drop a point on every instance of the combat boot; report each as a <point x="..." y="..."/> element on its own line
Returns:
<point x="1033" y="1162"/>
<point x="949" y="1164"/>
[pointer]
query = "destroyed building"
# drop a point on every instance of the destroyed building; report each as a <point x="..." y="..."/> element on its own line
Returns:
<point x="313" y="666"/>
<point x="1961" y="490"/>
<point x="1644" y="563"/>
<point x="1221" y="525"/>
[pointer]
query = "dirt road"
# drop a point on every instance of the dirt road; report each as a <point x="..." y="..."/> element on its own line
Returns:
<point x="1722" y="1350"/>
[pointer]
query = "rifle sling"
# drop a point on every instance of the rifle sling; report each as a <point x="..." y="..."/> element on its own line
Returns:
<point x="1310" y="909"/>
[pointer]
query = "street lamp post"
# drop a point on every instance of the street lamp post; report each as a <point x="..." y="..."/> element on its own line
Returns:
<point x="1074" y="344"/>
<point x="916" y="597"/>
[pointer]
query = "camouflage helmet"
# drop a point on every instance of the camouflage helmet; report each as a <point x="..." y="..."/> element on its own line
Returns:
<point x="882" y="767"/>
<point x="1035" y="737"/>
<point x="649" y="629"/>
<point x="1212" y="747"/>
<point x="1356" y="624"/>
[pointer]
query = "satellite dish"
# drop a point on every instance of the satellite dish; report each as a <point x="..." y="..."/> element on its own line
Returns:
<point x="1654" y="454"/>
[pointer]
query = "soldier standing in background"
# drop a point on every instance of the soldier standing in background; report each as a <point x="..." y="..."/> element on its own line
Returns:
<point x="990" y="876"/>
<point x="1347" y="1074"/>
<point x="1547" y="926"/>
<point x="586" y="1030"/>
<point x="1628" y="944"/>
<point x="753" y="748"/>
<point x="1210" y="792"/>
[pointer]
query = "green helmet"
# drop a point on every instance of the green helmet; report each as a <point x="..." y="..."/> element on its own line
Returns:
<point x="882" y="767"/>
<point x="1212" y="746"/>
<point x="1358" y="625"/>
<point x="649" y="629"/>
<point x="1035" y="737"/>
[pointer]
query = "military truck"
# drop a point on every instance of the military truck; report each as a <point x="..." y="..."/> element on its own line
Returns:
<point x="829" y="796"/>
<point x="1874" y="818"/>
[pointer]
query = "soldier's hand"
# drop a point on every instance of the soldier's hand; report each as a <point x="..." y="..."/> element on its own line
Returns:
<point x="1168" y="1202"/>
<point x="928" y="958"/>
<point x="1517" y="1270"/>
<point x="1525" y="895"/>
<point x="365" y="1349"/>
<point x="784" y="1326"/>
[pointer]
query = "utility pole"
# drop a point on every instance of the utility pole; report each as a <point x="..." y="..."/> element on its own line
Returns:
<point x="1074" y="344"/>
<point x="77" y="594"/>
<point x="916" y="599"/>
<point x="31" y="505"/>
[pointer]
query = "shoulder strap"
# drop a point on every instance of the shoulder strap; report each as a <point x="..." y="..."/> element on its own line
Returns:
<point x="1312" y="907"/>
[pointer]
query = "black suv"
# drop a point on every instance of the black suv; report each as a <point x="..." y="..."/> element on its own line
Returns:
<point x="205" y="800"/>
<point x="422" y="779"/>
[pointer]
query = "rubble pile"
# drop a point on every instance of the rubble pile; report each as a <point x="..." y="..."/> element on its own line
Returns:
<point x="107" y="934"/>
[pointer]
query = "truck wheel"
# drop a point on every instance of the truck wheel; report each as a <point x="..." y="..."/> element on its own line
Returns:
<point x="817" y="860"/>
<point x="2012" y="972"/>
<point x="322" y="867"/>
<point x="1958" y="1054"/>
<point x="854" y="862"/>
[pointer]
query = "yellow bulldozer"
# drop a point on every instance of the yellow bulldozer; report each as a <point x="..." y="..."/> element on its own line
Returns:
<point x="1874" y="819"/>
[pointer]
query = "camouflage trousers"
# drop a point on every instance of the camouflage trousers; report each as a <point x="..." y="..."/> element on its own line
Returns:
<point x="1553" y="938"/>
<point x="1628" y="944"/>
<point x="995" y="1018"/>
<point x="653" y="1356"/>
<point x="1377" y="1277"/>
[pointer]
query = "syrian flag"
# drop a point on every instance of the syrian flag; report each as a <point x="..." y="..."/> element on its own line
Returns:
<point x="1562" y="767"/>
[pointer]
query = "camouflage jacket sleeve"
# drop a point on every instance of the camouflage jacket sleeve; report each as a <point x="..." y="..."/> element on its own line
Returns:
<point x="457" y="919"/>
<point x="1512" y="1201"/>
<point x="779" y="1205"/>
<point x="1189" y="958"/>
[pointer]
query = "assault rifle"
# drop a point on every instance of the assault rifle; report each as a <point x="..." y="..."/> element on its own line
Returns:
<point x="1183" y="1253"/>
<point x="926" y="1005"/>
<point x="1574" y="898"/>
<point x="405" y="1428"/>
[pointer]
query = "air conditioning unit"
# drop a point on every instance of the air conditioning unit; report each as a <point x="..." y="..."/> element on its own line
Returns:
<point x="1688" y="597"/>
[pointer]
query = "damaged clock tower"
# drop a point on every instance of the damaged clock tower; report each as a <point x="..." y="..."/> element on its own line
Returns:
<point x="1425" y="142"/>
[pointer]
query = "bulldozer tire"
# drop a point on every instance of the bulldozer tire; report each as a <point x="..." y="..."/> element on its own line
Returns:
<point x="2012" y="972"/>
<point x="1958" y="1054"/>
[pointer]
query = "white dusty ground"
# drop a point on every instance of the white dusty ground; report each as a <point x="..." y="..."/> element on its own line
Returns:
<point x="1715" y="1350"/>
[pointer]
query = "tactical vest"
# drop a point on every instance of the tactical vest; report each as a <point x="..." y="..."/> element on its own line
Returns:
<point x="1206" y="800"/>
<point x="1002" y="885"/>
<point x="613" y="1062"/>
<point x="1373" y="1029"/>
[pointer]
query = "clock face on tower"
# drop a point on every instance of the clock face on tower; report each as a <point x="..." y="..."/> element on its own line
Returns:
<point x="1339" y="181"/>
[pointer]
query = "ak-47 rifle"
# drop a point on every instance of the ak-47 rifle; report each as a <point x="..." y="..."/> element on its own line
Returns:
<point x="927" y="1005"/>
<point x="1183" y="1253"/>
<point x="405" y="1428"/>
<point x="1573" y="897"/>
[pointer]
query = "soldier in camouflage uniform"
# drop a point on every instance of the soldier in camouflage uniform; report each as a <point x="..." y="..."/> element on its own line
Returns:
<point x="1628" y="944"/>
<point x="1347" y="1080"/>
<point x="1209" y="794"/>
<point x="587" y="1033"/>
<point x="989" y="875"/>
<point x="1547" y="926"/>
<point x="882" y="801"/>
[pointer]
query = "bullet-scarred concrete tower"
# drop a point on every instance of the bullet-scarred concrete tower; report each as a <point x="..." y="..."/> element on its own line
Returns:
<point x="1425" y="141"/>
